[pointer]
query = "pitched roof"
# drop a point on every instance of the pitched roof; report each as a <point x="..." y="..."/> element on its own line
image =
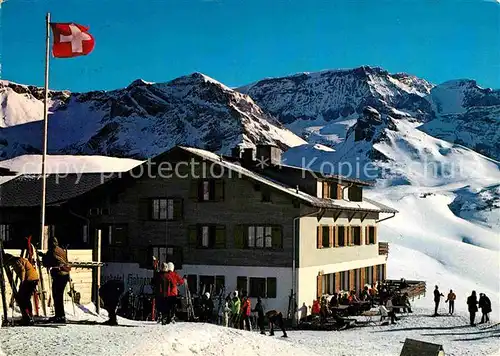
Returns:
<point x="365" y="205"/>
<point x="25" y="190"/>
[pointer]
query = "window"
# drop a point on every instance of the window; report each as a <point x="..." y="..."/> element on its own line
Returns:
<point x="257" y="287"/>
<point x="344" y="280"/>
<point x="241" y="284"/>
<point x="206" y="283"/>
<point x="220" y="282"/>
<point x="371" y="235"/>
<point x="207" y="236"/>
<point x="328" y="283"/>
<point x="331" y="190"/>
<point x="369" y="275"/>
<point x="342" y="232"/>
<point x="263" y="237"/>
<point x="5" y="232"/>
<point x="207" y="190"/>
<point x="192" y="280"/>
<point x="272" y="286"/>
<point x="325" y="229"/>
<point x="114" y="235"/>
<point x="85" y="233"/>
<point x="266" y="195"/>
<point x="355" y="193"/>
<point x="166" y="208"/>
<point x="356" y="235"/>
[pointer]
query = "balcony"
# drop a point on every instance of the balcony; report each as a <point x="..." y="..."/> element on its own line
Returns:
<point x="383" y="248"/>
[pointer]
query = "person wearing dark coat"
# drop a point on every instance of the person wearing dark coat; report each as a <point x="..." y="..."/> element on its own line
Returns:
<point x="276" y="318"/>
<point x="57" y="260"/>
<point x="207" y="307"/>
<point x="437" y="299"/>
<point x="485" y="305"/>
<point x="472" y="305"/>
<point x="110" y="293"/>
<point x="259" y="309"/>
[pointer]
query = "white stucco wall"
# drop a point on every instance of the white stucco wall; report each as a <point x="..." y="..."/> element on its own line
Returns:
<point x="135" y="277"/>
<point x="307" y="276"/>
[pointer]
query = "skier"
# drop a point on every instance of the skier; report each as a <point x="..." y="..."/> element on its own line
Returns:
<point x="235" y="310"/>
<point x="207" y="307"/>
<point x="437" y="299"/>
<point x="451" y="299"/>
<point x="57" y="260"/>
<point x="259" y="309"/>
<point x="276" y="318"/>
<point x="169" y="281"/>
<point x="485" y="305"/>
<point x="225" y="310"/>
<point x="472" y="305"/>
<point x="246" y="310"/>
<point x="110" y="293"/>
<point x="390" y="308"/>
<point x="29" y="280"/>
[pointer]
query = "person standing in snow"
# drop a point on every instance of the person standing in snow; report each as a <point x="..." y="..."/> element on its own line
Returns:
<point x="169" y="281"/>
<point x="29" y="280"/>
<point x="57" y="260"/>
<point x="225" y="310"/>
<point x="235" y="310"/>
<point x="276" y="318"/>
<point x="485" y="305"/>
<point x="246" y="309"/>
<point x="437" y="299"/>
<point x="207" y="306"/>
<point x="110" y="293"/>
<point x="259" y="309"/>
<point x="472" y="306"/>
<point x="451" y="300"/>
<point x="390" y="308"/>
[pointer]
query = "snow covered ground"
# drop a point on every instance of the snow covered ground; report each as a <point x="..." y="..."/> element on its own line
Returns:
<point x="182" y="339"/>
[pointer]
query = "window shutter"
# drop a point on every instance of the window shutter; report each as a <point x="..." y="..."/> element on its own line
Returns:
<point x="332" y="240"/>
<point x="220" y="236"/>
<point x="351" y="279"/>
<point x="277" y="237"/>
<point x="367" y="235"/>
<point x="178" y="209"/>
<point x="272" y="287"/>
<point x="193" y="235"/>
<point x="374" y="274"/>
<point x="219" y="190"/>
<point x="319" y="241"/>
<point x="239" y="236"/>
<point x="384" y="272"/>
<point x="319" y="285"/>
<point x="362" y="277"/>
<point x="350" y="236"/>
<point x="326" y="190"/>
<point x="194" y="192"/>
<point x="337" y="282"/>
<point x="144" y="209"/>
<point x="336" y="236"/>
<point x="375" y="235"/>
<point x="339" y="192"/>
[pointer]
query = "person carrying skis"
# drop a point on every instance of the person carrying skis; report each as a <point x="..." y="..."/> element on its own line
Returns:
<point x="235" y="310"/>
<point x="169" y="281"/>
<point x="110" y="293"/>
<point x="437" y="299"/>
<point x="57" y="260"/>
<point x="485" y="305"/>
<point x="276" y="318"/>
<point x="472" y="306"/>
<point x="246" y="309"/>
<point x="451" y="300"/>
<point x="29" y="280"/>
<point x="259" y="309"/>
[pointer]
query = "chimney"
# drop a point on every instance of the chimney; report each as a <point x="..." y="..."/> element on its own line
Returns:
<point x="248" y="157"/>
<point x="236" y="152"/>
<point x="269" y="154"/>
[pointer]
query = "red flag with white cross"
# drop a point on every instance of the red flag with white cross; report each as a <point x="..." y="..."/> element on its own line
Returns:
<point x="71" y="40"/>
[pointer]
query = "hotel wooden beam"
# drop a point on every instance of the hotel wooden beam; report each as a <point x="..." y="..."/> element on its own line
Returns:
<point x="364" y="217"/>
<point x="335" y="217"/>
<point x="352" y="216"/>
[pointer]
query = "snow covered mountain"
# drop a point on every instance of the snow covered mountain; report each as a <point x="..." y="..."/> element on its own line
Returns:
<point x="139" y="121"/>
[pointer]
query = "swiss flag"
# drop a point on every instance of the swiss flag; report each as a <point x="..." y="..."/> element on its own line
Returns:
<point x="71" y="40"/>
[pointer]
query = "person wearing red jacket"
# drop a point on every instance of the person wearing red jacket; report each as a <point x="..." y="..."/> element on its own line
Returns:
<point x="168" y="282"/>
<point x="246" y="309"/>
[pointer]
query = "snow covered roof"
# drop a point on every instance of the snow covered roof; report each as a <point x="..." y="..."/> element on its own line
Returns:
<point x="365" y="205"/>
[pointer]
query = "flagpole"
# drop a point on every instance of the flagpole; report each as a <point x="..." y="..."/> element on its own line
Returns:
<point x="43" y="240"/>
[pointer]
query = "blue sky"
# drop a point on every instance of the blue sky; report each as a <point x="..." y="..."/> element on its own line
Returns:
<point x="238" y="42"/>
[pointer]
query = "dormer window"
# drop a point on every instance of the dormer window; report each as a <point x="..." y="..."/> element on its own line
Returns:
<point x="330" y="190"/>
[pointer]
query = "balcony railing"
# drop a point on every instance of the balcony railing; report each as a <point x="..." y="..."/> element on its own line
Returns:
<point x="383" y="248"/>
